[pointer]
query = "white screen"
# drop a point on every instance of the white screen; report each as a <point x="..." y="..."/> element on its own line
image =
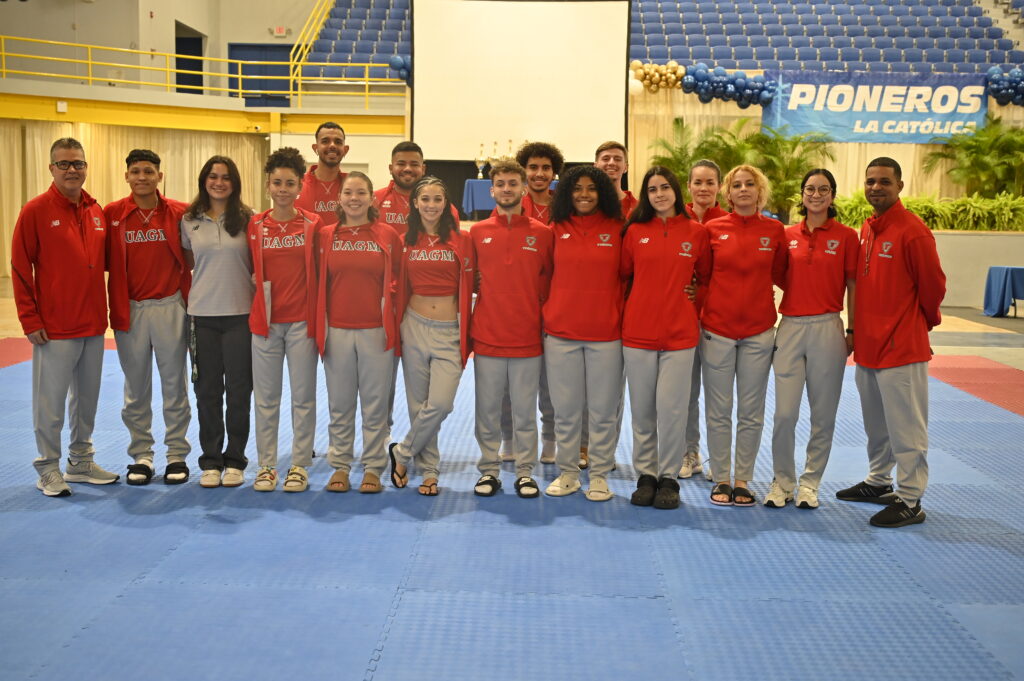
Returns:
<point x="500" y="70"/>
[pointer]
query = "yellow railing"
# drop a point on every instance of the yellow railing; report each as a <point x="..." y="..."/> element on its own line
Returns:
<point x="310" y="30"/>
<point x="98" y="71"/>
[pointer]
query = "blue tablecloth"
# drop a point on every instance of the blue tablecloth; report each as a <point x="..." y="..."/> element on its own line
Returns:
<point x="1004" y="284"/>
<point x="476" y="195"/>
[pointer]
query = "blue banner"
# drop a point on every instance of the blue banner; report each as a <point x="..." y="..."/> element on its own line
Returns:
<point x="877" y="107"/>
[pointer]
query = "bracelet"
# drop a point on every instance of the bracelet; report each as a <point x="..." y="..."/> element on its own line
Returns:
<point x="849" y="331"/>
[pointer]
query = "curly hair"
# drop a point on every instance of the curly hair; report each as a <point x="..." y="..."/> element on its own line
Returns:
<point x="286" y="157"/>
<point x="764" y="189"/>
<point x="541" y="150"/>
<point x="607" y="198"/>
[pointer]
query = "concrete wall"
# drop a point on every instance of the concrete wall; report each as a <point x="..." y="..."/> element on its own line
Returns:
<point x="966" y="257"/>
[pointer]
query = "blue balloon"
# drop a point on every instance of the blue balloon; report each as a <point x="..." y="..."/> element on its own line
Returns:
<point x="738" y="75"/>
<point x="995" y="71"/>
<point x="743" y="103"/>
<point x="1003" y="99"/>
<point x="407" y="62"/>
<point x="730" y="91"/>
<point x="720" y="71"/>
<point x="758" y="79"/>
<point x="705" y="97"/>
<point x="689" y="83"/>
<point x="1018" y="99"/>
<point x="403" y="74"/>
<point x="740" y="83"/>
<point x="1016" y="74"/>
<point x="700" y="66"/>
<point x="396" y="62"/>
<point x="701" y="76"/>
<point x="704" y="87"/>
<point x="765" y="99"/>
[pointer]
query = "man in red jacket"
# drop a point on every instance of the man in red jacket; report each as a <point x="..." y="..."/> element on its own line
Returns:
<point x="57" y="263"/>
<point x="406" y="168"/>
<point x="611" y="158"/>
<point x="148" y="288"/>
<point x="322" y="182"/>
<point x="900" y="285"/>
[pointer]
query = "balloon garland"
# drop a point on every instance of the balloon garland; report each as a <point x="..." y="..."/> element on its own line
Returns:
<point x="707" y="83"/>
<point x="403" y="66"/>
<point x="1005" y="88"/>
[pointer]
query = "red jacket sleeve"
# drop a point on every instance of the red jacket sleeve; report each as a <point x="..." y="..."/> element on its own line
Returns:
<point x="926" y="271"/>
<point x="24" y="249"/>
<point x="780" y="263"/>
<point x="626" y="259"/>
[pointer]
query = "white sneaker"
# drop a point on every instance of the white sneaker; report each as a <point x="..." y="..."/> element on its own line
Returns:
<point x="52" y="485"/>
<point x="233" y="477"/>
<point x="90" y="472"/>
<point x="266" y="479"/>
<point x="691" y="465"/>
<point x="598" y="490"/>
<point x="564" y="485"/>
<point x="807" y="497"/>
<point x="547" y="451"/>
<point x="778" y="497"/>
<point x="507" y="453"/>
<point x="210" y="478"/>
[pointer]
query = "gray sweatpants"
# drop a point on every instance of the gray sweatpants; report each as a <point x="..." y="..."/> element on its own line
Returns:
<point x="745" y="364"/>
<point x="357" y="366"/>
<point x="65" y="372"/>
<point x="432" y="367"/>
<point x="659" y="383"/>
<point x="268" y="356"/>
<point x="693" y="412"/>
<point x="809" y="351"/>
<point x="547" y="412"/>
<point x="585" y="373"/>
<point x="158" y="327"/>
<point x="895" y="406"/>
<point x="519" y="378"/>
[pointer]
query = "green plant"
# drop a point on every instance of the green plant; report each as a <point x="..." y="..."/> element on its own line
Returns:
<point x="1003" y="212"/>
<point x="987" y="161"/>
<point x="678" y="155"/>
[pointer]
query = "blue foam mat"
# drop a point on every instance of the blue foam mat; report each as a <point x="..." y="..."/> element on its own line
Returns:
<point x="399" y="586"/>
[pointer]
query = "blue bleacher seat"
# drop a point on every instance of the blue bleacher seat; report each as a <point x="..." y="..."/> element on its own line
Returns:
<point x="638" y="52"/>
<point x="899" y="10"/>
<point x="364" y="46"/>
<point x="945" y="21"/>
<point x="737" y="40"/>
<point x="657" y="52"/>
<point x="689" y="18"/>
<point x="371" y="34"/>
<point x="979" y="44"/>
<point x="812" y="66"/>
<point x="687" y="7"/>
<point x="749" y="19"/>
<point x="679" y="52"/>
<point x="828" y="19"/>
<point x="937" y="31"/>
<point x="785" y="19"/>
<point x="358" y="13"/>
<point x="953" y="56"/>
<point x="884" y="42"/>
<point x="913" y="54"/>
<point x="405" y="47"/>
<point x="349" y="34"/>
<point x="803" y="8"/>
<point x="835" y="65"/>
<point x="310" y="71"/>
<point x="975" y="11"/>
<point x="821" y="41"/>
<point x="934" y="55"/>
<point x="966" y="68"/>
<point x="878" y="67"/>
<point x="849" y="54"/>
<point x="378" y="13"/>
<point x="714" y="29"/>
<point x="323" y="45"/>
<point x="861" y="9"/>
<point x="849" y="20"/>
<point x="779" y="41"/>
<point x="676" y="39"/>
<point x="956" y="32"/>
<point x="674" y="28"/>
<point x="887" y="20"/>
<point x="854" y="31"/>
<point x="654" y="39"/>
<point x="762" y="53"/>
<point x="319" y="56"/>
<point x="742" y="52"/>
<point x="359" y="58"/>
<point x="842" y="41"/>
<point x="920" y="67"/>
<point x="835" y="31"/>
<point x="874" y="31"/>
<point x="393" y="25"/>
<point x="380" y="58"/>
<point x="769" y="64"/>
<point x="828" y="54"/>
<point x="1003" y="44"/>
<point x="393" y="36"/>
<point x="899" y="67"/>
<point x="939" y="43"/>
<point x="808" y="19"/>
<point x="807" y="54"/>
<point x="332" y="71"/>
<point x="993" y="32"/>
<point x="814" y="30"/>
<point x="927" y="22"/>
<point x="330" y="33"/>
<point x="700" y="52"/>
<point x="651" y="17"/>
<point x="974" y="57"/>
<point x="790" y="65"/>
<point x="334" y="23"/>
<point x="871" y="54"/>
<point x="953" y="11"/>
<point x="758" y="40"/>
<point x="774" y="29"/>
<point x="862" y="41"/>
<point x="792" y="29"/>
<point x="717" y="40"/>
<point x="785" y="53"/>
<point x="919" y="10"/>
<point x="729" y="18"/>
<point x="915" y="31"/>
<point x="748" y="64"/>
<point x="891" y="54"/>
<point x="355" y="24"/>
<point x="345" y="46"/>
<point x="856" y="66"/>
<point x="720" y="52"/>
<point x="799" y="41"/>
<point x="726" y="63"/>
<point x="841" y="9"/>
<point x="996" y="56"/>
<point x="386" y="47"/>
<point x="942" y="67"/>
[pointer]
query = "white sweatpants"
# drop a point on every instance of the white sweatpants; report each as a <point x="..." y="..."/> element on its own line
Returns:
<point x="358" y="367"/>
<point x="743" y="364"/>
<point x="519" y="378"/>
<point x="895" y="406"/>
<point x="585" y="373"/>
<point x="659" y="385"/>
<point x="809" y="351"/>
<point x="268" y="356"/>
<point x="158" y="327"/>
<point x="65" y="372"/>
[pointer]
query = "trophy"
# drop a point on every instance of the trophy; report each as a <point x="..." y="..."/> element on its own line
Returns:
<point x="481" y="162"/>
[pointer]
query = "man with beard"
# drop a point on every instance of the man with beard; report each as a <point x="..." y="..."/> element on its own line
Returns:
<point x="322" y="182"/>
<point x="406" y="168"/>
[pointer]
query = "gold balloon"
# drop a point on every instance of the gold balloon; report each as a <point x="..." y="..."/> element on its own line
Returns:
<point x="635" y="64"/>
<point x="654" y="87"/>
<point x="672" y="64"/>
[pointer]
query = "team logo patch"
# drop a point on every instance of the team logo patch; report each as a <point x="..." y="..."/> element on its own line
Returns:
<point x="486" y="240"/>
<point x="765" y="241"/>
<point x="886" y="246"/>
<point x="645" y="240"/>
<point x="55" y="223"/>
<point x="833" y="244"/>
<point x="115" y="223"/>
<point x="387" y="204"/>
<point x="96" y="221"/>
<point x="686" y="246"/>
<point x="565" y="236"/>
<point x="531" y="240"/>
<point x="794" y="243"/>
<point x="604" y="237"/>
<point x="723" y="237"/>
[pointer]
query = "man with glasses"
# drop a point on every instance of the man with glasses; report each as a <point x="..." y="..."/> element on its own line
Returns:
<point x="57" y="262"/>
<point x="900" y="285"/>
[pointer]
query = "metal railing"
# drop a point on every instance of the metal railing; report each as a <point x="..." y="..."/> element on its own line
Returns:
<point x="220" y="72"/>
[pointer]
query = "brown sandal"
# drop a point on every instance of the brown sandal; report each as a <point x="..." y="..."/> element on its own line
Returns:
<point x="338" y="482"/>
<point x="370" y="484"/>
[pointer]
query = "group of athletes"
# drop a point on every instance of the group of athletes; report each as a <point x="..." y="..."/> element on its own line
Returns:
<point x="563" y="298"/>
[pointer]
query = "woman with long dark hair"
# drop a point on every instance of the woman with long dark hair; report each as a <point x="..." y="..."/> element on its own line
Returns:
<point x="738" y="330"/>
<point x="583" y="327"/>
<point x="213" y="236"/>
<point x="357" y="330"/>
<point x="435" y="293"/>
<point x="282" y="243"/>
<point x="811" y="344"/>
<point x="663" y="251"/>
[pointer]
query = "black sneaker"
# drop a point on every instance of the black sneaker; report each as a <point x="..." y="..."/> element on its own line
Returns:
<point x="667" y="496"/>
<point x="646" y="487"/>
<point x="862" y="491"/>
<point x="898" y="514"/>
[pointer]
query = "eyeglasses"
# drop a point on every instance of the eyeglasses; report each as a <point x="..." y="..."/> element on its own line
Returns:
<point x="64" y="165"/>
<point x="824" y="190"/>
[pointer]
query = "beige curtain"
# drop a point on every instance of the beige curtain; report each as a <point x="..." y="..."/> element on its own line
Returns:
<point x="24" y="161"/>
<point x="651" y="117"/>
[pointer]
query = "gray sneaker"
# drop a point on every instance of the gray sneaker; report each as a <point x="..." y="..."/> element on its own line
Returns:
<point x="52" y="485"/>
<point x="90" y="472"/>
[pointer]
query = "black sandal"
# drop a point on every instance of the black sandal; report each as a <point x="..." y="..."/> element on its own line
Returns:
<point x="743" y="492"/>
<point x="399" y="481"/>
<point x="487" y="486"/>
<point x="175" y="468"/>
<point x="429" y="487"/>
<point x="139" y="469"/>
<point x="722" y="489"/>
<point x="527" y="488"/>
